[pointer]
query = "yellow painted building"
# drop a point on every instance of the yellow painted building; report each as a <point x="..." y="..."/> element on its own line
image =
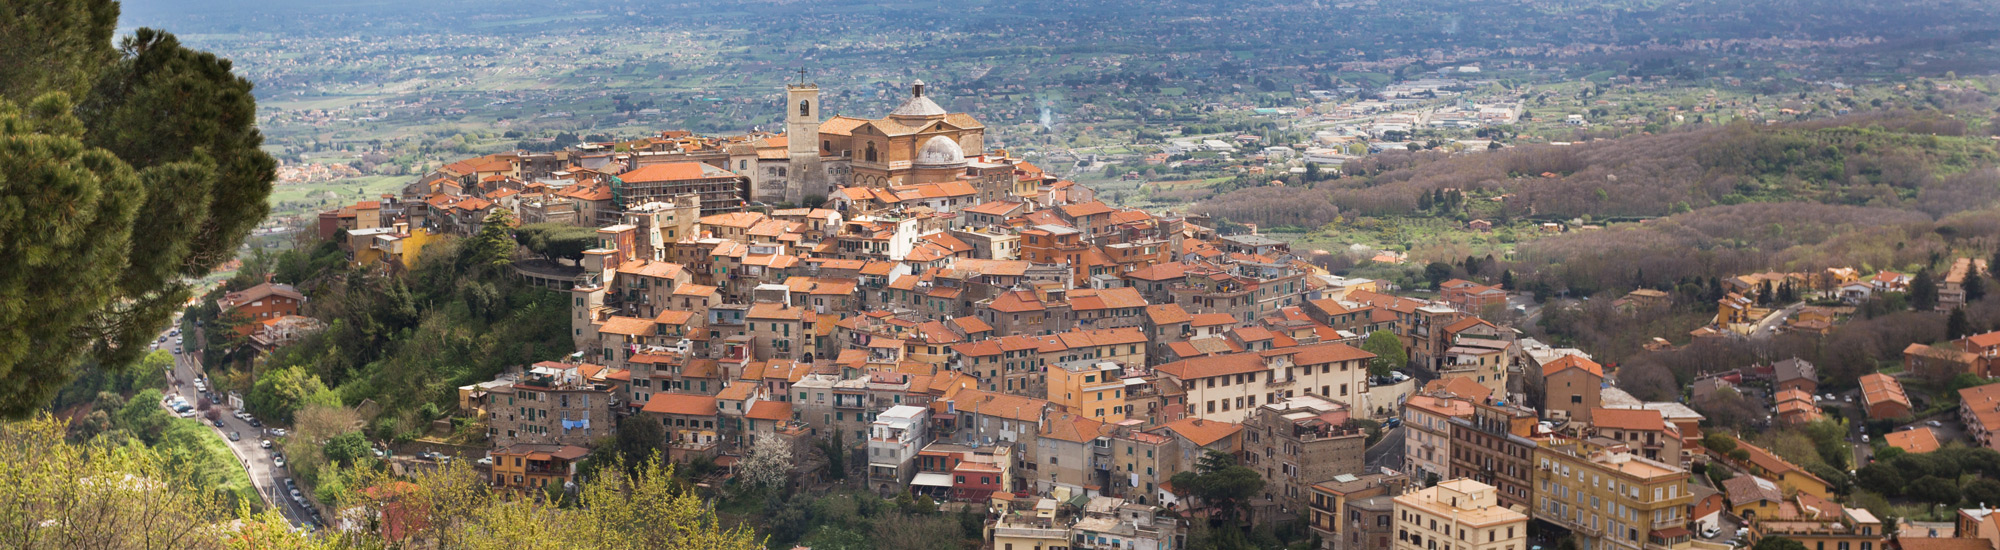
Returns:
<point x="1091" y="388"/>
<point x="402" y="247"/>
<point x="1610" y="498"/>
<point x="1460" y="514"/>
<point x="530" y="466"/>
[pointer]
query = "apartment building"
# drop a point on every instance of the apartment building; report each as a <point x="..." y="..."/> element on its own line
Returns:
<point x="1460" y="514"/>
<point x="1609" y="497"/>
<point x="1356" y="511"/>
<point x="1427" y="432"/>
<point x="1299" y="441"/>
<point x="1493" y="446"/>
<point x="1229" y="387"/>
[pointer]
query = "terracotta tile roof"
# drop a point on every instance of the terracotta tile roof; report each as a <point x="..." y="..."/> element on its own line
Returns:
<point x="766" y="310"/>
<point x="1983" y="341"/>
<point x="744" y="220"/>
<point x="1239" y="363"/>
<point x="1091" y="208"/>
<point x="1772" y="464"/>
<point x="702" y="368"/>
<point x="738" y="392"/>
<point x="1881" y="388"/>
<point x="1448" y="408"/>
<point x="261" y="291"/>
<point x="1749" y="489"/>
<point x="1330" y="306"/>
<point x="1203" y="432"/>
<point x="1251" y="334"/>
<point x="971" y="325"/>
<point x="694" y="290"/>
<point x="1086" y="299"/>
<point x="996" y="208"/>
<point x="1017" y="301"/>
<point x="628" y="326"/>
<point x="1572" y="361"/>
<point x="1919" y="440"/>
<point x="1101" y="337"/>
<point x="1159" y="272"/>
<point x="683" y="404"/>
<point x="1459" y="386"/>
<point x="1464" y="324"/>
<point x="984" y="403"/>
<point x="1072" y="428"/>
<point x="664" y="270"/>
<point x="813" y="285"/>
<point x="1166" y="314"/>
<point x="1628" y="419"/>
<point x="776" y="411"/>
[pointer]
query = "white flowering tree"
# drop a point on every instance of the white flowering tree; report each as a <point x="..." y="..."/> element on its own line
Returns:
<point x="769" y="464"/>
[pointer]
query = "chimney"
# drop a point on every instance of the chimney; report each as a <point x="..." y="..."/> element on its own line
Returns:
<point x="267" y="277"/>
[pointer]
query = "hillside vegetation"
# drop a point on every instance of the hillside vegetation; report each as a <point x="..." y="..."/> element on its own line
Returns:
<point x="1924" y="161"/>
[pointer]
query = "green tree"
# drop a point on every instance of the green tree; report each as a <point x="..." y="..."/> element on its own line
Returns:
<point x="1957" y="326"/>
<point x="1975" y="288"/>
<point x="280" y="393"/>
<point x="1388" y="350"/>
<point x="1436" y="273"/>
<point x="1220" y="483"/>
<point x="1923" y="291"/>
<point x="347" y="449"/>
<point x="492" y="248"/>
<point x="1880" y="478"/>
<point x="149" y="139"/>
<point x="1935" y="490"/>
<point x="553" y="241"/>
<point x="1983" y="491"/>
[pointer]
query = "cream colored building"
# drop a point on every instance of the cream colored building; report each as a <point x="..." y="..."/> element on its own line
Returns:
<point x="1460" y="514"/>
<point x="1229" y="387"/>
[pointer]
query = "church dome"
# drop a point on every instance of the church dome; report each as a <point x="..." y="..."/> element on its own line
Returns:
<point x="917" y="106"/>
<point x="940" y="152"/>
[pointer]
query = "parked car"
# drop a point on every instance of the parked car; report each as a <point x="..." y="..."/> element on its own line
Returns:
<point x="255" y="423"/>
<point x="218" y="422"/>
<point x="1864" y="438"/>
<point x="1935" y="423"/>
<point x="265" y="444"/>
<point x="1711" y="532"/>
<point x="278" y="460"/>
<point x="233" y="436"/>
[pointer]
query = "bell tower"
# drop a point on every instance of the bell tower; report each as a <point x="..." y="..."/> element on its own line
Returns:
<point x="802" y="118"/>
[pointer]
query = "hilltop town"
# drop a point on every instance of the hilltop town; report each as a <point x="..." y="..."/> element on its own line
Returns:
<point x="893" y="308"/>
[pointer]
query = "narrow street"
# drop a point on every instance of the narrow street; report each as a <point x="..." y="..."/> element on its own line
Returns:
<point x="249" y="451"/>
<point x="1387" y="453"/>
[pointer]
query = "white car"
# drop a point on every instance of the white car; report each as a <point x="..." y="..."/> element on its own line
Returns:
<point x="1711" y="532"/>
<point x="1934" y="423"/>
<point x="1864" y="438"/>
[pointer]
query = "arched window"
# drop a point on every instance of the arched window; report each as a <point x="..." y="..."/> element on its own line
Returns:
<point x="805" y="108"/>
<point x="870" y="155"/>
<point x="781" y="172"/>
